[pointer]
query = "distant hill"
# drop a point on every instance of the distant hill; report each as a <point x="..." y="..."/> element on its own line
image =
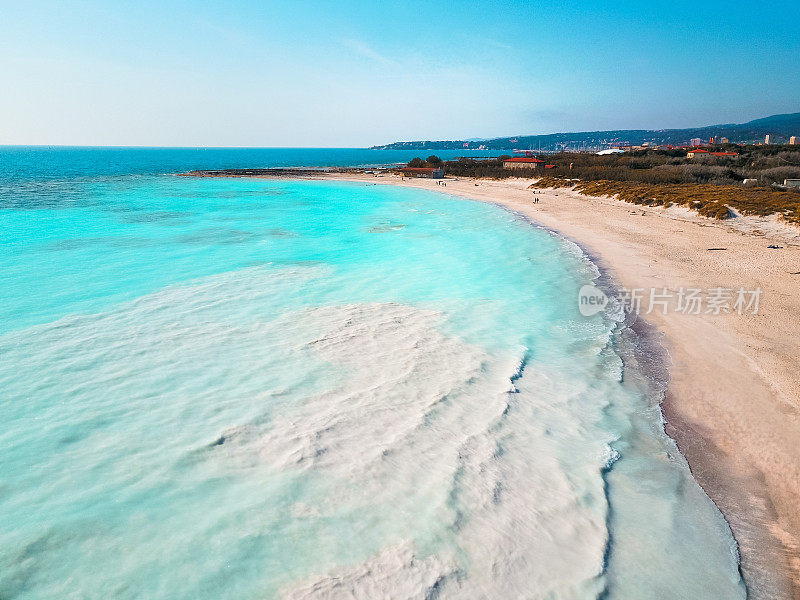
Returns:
<point x="779" y="127"/>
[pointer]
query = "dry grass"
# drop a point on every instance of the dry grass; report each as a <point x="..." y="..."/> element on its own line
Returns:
<point x="709" y="200"/>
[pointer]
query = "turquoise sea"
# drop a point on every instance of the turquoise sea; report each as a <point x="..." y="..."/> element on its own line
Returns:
<point x="252" y="389"/>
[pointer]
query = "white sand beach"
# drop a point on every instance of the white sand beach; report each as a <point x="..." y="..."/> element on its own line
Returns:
<point x="733" y="403"/>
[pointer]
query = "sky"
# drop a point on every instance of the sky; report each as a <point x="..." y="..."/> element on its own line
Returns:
<point x="357" y="73"/>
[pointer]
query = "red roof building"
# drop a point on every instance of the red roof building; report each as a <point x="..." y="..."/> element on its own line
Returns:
<point x="422" y="172"/>
<point x="522" y="162"/>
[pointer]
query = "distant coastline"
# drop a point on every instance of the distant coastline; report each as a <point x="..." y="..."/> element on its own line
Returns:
<point x="779" y="127"/>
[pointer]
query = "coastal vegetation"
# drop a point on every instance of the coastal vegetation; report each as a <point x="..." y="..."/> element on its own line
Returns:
<point x="491" y="168"/>
<point x="433" y="162"/>
<point x="766" y="164"/>
<point x="709" y="200"/>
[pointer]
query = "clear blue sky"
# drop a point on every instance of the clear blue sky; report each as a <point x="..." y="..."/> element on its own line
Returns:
<point x="263" y="73"/>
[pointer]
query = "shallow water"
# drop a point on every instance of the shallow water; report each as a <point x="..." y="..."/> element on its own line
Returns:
<point x="252" y="389"/>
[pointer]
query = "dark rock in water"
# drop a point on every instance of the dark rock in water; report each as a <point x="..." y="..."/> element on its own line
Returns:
<point x="237" y="433"/>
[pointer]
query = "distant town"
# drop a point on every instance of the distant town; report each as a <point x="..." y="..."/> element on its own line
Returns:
<point x="774" y="130"/>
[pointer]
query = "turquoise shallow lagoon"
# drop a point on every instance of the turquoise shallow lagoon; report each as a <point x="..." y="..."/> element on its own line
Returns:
<point x="243" y="388"/>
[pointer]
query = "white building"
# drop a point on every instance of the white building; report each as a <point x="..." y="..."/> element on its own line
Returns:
<point x="791" y="183"/>
<point x="793" y="140"/>
<point x="766" y="139"/>
<point x="610" y="151"/>
<point x="695" y="142"/>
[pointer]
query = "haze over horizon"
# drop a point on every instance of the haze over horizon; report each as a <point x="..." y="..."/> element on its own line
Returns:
<point x="354" y="74"/>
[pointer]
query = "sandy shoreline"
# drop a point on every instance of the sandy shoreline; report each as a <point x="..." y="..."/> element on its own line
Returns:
<point x="733" y="402"/>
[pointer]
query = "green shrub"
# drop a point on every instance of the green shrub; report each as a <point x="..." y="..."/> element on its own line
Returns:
<point x="708" y="199"/>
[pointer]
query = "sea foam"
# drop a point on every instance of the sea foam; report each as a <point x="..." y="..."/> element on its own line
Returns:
<point x="352" y="410"/>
